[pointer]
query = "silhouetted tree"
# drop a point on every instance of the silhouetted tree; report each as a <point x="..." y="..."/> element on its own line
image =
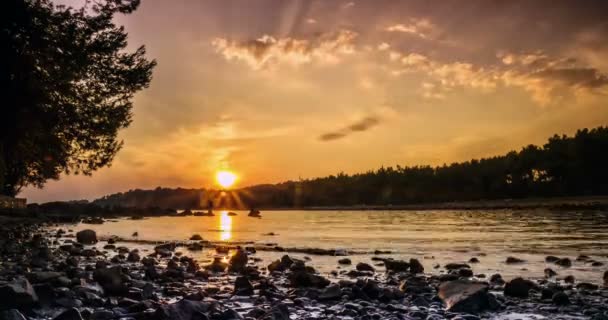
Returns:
<point x="67" y="88"/>
<point x="564" y="166"/>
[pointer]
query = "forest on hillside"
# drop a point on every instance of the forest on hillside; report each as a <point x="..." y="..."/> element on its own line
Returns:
<point x="564" y="166"/>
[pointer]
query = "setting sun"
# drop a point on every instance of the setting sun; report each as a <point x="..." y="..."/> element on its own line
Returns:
<point x="225" y="178"/>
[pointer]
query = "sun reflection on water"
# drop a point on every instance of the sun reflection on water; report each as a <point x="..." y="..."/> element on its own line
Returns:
<point x="225" y="226"/>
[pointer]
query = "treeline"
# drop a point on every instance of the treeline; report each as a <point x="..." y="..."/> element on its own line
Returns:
<point x="564" y="166"/>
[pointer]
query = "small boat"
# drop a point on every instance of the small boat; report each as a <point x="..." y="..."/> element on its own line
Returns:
<point x="254" y="213"/>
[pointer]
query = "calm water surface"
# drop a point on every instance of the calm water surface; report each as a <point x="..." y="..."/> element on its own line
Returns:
<point x="435" y="237"/>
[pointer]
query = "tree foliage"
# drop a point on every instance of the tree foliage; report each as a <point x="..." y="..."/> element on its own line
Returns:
<point x="564" y="166"/>
<point x="68" y="81"/>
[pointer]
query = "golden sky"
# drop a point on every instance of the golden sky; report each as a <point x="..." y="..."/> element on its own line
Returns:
<point x="282" y="89"/>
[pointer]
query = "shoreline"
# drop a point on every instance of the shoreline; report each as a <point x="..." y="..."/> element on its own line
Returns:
<point x="51" y="272"/>
<point x="558" y="203"/>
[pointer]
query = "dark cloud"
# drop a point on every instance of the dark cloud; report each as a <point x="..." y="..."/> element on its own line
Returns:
<point x="359" y="126"/>
<point x="580" y="77"/>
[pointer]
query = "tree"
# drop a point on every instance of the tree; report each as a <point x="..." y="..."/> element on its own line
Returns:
<point x="68" y="83"/>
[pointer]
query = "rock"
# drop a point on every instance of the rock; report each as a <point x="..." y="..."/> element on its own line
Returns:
<point x="549" y="273"/>
<point x="560" y="298"/>
<point x="345" y="261"/>
<point x="18" y="293"/>
<point x="280" y="265"/>
<point x="217" y="265"/>
<point x="238" y="261"/>
<point x="551" y="259"/>
<point x="11" y="314"/>
<point x="569" y="279"/>
<point x="464" y="272"/>
<point x="86" y="236"/>
<point x="416" y="266"/>
<point x="44" y="276"/>
<point x="70" y="314"/>
<point x="456" y="266"/>
<point x="111" y="280"/>
<point x="586" y="286"/>
<point x="464" y="296"/>
<point x="133" y="256"/>
<point x="606" y="277"/>
<point x="564" y="262"/>
<point x="362" y="266"/>
<point x="300" y="279"/>
<point x="473" y="260"/>
<point x="519" y="287"/>
<point x="278" y="312"/>
<point x="183" y="310"/>
<point x="242" y="287"/>
<point x="513" y="260"/>
<point x="396" y="265"/>
<point x="332" y="292"/>
<point x="582" y="257"/>
<point x="196" y="237"/>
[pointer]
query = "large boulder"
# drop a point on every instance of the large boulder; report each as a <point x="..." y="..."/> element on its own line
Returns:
<point x="465" y="296"/>
<point x="86" y="236"/>
<point x="183" y="310"/>
<point x="519" y="288"/>
<point x="18" y="294"/>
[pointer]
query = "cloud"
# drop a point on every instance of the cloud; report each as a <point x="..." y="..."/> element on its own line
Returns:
<point x="268" y="50"/>
<point x="546" y="78"/>
<point x="359" y="126"/>
<point x="422" y="28"/>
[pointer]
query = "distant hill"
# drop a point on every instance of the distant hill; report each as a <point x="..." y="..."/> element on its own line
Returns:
<point x="564" y="166"/>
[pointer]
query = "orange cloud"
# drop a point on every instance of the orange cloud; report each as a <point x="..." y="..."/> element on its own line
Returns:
<point x="268" y="50"/>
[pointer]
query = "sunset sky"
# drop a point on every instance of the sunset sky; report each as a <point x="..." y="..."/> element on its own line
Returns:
<point x="282" y="89"/>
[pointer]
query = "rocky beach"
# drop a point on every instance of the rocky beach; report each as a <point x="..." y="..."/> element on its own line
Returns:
<point x="51" y="271"/>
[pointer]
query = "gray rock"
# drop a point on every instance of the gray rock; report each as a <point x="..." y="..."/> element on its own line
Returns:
<point x="18" y="293"/>
<point x="111" y="280"/>
<point x="12" y="314"/>
<point x="344" y="261"/>
<point x="464" y="296"/>
<point x="182" y="310"/>
<point x="331" y="292"/>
